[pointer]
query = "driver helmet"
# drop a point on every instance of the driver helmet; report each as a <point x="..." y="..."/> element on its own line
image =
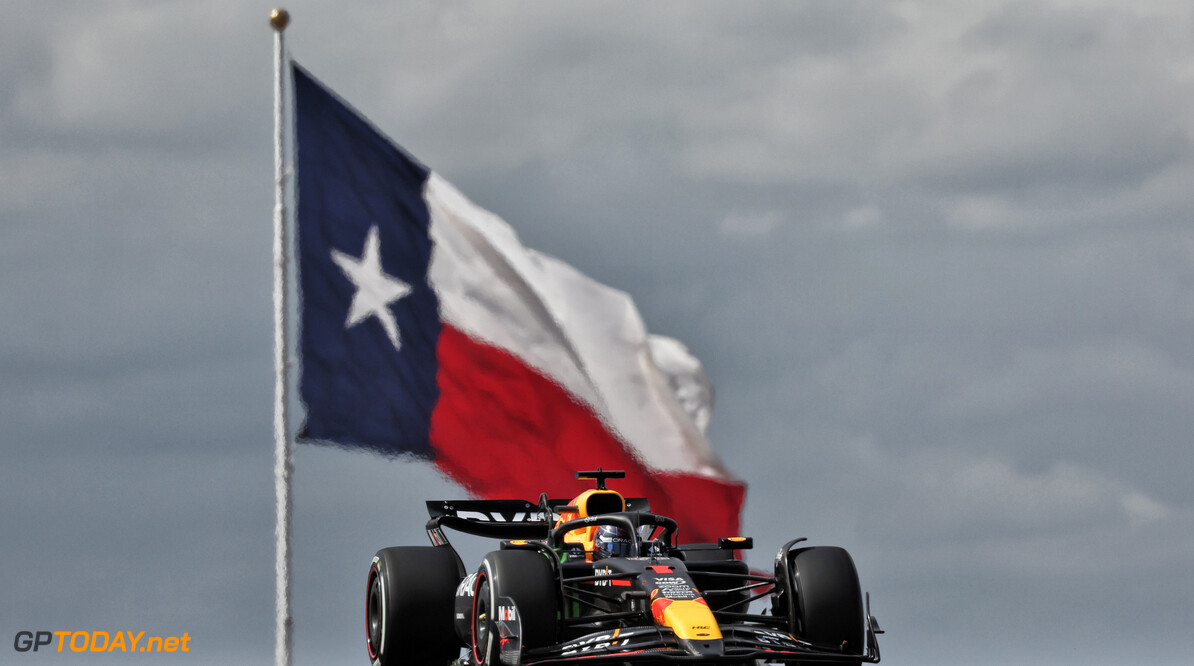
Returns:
<point x="611" y="541"/>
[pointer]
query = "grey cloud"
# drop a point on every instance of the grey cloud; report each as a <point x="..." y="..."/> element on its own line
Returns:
<point x="935" y="261"/>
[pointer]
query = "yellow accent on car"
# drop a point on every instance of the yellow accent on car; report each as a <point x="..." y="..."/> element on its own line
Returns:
<point x="691" y="619"/>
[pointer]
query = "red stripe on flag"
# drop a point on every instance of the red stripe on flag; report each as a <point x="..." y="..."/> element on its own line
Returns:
<point x="503" y="430"/>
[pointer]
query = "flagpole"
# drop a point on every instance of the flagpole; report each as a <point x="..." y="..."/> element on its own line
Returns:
<point x="283" y="446"/>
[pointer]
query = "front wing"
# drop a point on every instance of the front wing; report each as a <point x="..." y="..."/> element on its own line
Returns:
<point x="650" y="644"/>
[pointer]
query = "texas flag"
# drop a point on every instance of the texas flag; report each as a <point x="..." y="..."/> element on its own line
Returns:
<point x="428" y="330"/>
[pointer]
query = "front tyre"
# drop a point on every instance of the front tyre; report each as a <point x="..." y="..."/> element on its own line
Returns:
<point x="409" y="606"/>
<point x="526" y="577"/>
<point x="827" y="599"/>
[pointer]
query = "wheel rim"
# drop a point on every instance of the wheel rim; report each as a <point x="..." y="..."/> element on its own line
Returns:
<point x="373" y="614"/>
<point x="481" y="624"/>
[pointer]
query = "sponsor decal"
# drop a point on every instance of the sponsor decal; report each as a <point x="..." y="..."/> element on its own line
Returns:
<point x="465" y="588"/>
<point x="770" y="637"/>
<point x="588" y="648"/>
<point x="590" y="644"/>
<point x="589" y="640"/>
<point x="502" y="516"/>
<point x="98" y="641"/>
<point x="607" y="582"/>
<point x="617" y="641"/>
<point x="603" y="571"/>
<point x="677" y="588"/>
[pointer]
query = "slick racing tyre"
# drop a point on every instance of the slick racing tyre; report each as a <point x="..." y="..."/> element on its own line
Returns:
<point x="408" y="606"/>
<point x="828" y="599"/>
<point x="526" y="577"/>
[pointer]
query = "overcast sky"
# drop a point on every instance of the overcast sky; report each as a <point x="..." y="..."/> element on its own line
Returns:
<point x="938" y="259"/>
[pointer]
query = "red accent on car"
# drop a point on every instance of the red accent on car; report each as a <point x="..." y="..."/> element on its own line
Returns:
<point x="657" y="608"/>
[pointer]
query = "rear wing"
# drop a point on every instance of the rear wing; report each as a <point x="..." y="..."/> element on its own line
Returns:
<point x="503" y="519"/>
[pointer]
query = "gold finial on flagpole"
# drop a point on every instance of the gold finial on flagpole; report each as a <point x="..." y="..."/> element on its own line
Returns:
<point x="279" y="18"/>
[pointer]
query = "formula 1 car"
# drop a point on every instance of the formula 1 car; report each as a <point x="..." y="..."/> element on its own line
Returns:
<point x="599" y="579"/>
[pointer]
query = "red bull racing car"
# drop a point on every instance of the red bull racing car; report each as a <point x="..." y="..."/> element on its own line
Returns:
<point x="600" y="579"/>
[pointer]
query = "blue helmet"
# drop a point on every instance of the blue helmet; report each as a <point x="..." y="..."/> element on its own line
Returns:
<point x="611" y="541"/>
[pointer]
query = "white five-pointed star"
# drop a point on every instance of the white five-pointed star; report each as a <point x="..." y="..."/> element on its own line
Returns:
<point x="375" y="289"/>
